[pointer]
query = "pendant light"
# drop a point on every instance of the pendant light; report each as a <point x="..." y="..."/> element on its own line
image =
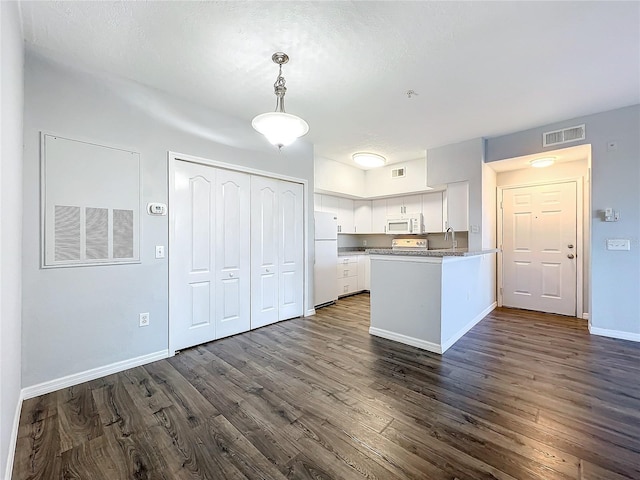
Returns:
<point x="279" y="127"/>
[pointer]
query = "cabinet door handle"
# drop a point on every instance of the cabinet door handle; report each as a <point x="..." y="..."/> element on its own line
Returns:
<point x="231" y="275"/>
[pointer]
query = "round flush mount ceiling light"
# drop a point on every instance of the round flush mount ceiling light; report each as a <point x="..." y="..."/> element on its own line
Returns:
<point x="369" y="160"/>
<point x="542" y="162"/>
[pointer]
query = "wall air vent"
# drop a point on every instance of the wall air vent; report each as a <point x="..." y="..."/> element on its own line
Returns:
<point x="566" y="135"/>
<point x="398" y="172"/>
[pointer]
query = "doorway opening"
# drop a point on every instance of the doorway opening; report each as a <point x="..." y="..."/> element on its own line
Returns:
<point x="543" y="232"/>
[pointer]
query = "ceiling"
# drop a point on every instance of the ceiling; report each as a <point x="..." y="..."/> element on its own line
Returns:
<point x="479" y="68"/>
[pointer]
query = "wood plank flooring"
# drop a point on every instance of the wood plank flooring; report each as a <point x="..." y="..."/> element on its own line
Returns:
<point x="521" y="396"/>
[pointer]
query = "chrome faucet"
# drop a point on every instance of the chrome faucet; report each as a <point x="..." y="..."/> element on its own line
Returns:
<point x="453" y="237"/>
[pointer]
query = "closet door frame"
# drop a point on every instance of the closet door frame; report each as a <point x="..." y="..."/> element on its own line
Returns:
<point x="307" y="270"/>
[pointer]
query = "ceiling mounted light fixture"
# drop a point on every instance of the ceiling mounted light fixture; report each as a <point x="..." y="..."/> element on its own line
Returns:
<point x="542" y="162"/>
<point x="279" y="127"/>
<point x="369" y="160"/>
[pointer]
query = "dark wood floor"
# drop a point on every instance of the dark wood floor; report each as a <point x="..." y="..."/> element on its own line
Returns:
<point x="521" y="396"/>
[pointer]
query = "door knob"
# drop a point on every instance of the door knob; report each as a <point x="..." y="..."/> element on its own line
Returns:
<point x="570" y="246"/>
<point x="570" y="255"/>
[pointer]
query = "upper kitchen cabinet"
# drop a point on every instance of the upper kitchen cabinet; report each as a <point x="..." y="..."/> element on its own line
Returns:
<point x="342" y="208"/>
<point x="432" y="212"/>
<point x="379" y="216"/>
<point x="456" y="206"/>
<point x="404" y="205"/>
<point x="362" y="216"/>
<point x="345" y="216"/>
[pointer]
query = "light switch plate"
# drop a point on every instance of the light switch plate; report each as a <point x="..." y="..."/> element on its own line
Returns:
<point x="618" y="244"/>
<point x="159" y="251"/>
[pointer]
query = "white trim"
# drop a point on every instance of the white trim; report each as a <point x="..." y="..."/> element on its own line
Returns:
<point x="398" y="337"/>
<point x="310" y="312"/>
<point x="619" y="334"/>
<point x="585" y="316"/>
<point x="77" y="378"/>
<point x="13" y="439"/>
<point x="460" y="333"/>
<point x="580" y="247"/>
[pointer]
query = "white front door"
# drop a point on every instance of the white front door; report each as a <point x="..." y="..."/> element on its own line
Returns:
<point x="192" y="256"/>
<point x="290" y="249"/>
<point x="233" y="266"/>
<point x="264" y="251"/>
<point x="539" y="248"/>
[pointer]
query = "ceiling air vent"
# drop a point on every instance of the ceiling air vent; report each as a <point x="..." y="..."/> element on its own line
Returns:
<point x="566" y="135"/>
<point x="398" y="172"/>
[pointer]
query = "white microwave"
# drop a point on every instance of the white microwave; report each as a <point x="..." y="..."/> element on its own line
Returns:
<point x="407" y="223"/>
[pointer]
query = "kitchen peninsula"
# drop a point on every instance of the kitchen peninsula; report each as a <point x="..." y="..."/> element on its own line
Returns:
<point x="429" y="299"/>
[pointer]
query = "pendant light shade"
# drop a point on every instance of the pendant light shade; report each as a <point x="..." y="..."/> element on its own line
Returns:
<point x="280" y="128"/>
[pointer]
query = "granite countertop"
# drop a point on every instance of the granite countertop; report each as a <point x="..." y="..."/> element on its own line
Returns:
<point x="352" y="251"/>
<point x="444" y="252"/>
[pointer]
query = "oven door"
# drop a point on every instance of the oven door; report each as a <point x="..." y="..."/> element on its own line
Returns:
<point x="398" y="225"/>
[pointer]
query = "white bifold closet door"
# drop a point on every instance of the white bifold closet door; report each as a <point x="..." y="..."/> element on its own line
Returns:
<point x="209" y="259"/>
<point x="276" y="250"/>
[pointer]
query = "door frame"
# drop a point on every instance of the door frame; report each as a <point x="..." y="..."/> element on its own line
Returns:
<point x="172" y="157"/>
<point x="579" y="181"/>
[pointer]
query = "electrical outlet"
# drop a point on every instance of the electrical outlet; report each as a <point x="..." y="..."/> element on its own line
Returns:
<point x="454" y="244"/>
<point x="364" y="243"/>
<point x="144" y="319"/>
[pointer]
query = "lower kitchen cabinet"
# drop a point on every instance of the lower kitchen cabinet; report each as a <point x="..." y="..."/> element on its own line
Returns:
<point x="353" y="274"/>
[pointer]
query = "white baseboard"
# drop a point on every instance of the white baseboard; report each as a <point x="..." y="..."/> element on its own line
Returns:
<point x="430" y="346"/>
<point x="310" y="312"/>
<point x="398" y="337"/>
<point x="13" y="440"/>
<point x="77" y="378"/>
<point x="585" y="316"/>
<point x="458" y="335"/>
<point x="604" y="332"/>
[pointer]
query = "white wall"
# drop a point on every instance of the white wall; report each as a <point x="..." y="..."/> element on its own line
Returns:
<point x="11" y="111"/>
<point x="335" y="177"/>
<point x="338" y="178"/>
<point x="461" y="162"/>
<point x="76" y="319"/>
<point x="379" y="183"/>
<point x="615" y="176"/>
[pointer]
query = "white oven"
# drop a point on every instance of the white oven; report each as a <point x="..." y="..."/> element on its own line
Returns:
<point x="407" y="223"/>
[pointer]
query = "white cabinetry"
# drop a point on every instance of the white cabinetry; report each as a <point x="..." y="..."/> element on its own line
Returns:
<point x="362" y="216"/>
<point x="347" y="273"/>
<point x="330" y="204"/>
<point x="364" y="276"/>
<point x="432" y="212"/>
<point x="378" y="216"/>
<point x="404" y="205"/>
<point x="345" y="216"/>
<point x="456" y="201"/>
<point x="353" y="274"/>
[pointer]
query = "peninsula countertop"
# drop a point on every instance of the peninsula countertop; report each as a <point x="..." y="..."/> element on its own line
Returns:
<point x="443" y="252"/>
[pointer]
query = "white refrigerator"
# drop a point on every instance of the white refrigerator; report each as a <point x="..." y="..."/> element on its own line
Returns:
<point x="326" y="260"/>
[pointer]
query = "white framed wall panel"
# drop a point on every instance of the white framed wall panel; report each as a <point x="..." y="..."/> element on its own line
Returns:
<point x="91" y="203"/>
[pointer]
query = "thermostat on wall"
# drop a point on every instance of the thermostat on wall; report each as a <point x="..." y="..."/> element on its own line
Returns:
<point x="157" y="209"/>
